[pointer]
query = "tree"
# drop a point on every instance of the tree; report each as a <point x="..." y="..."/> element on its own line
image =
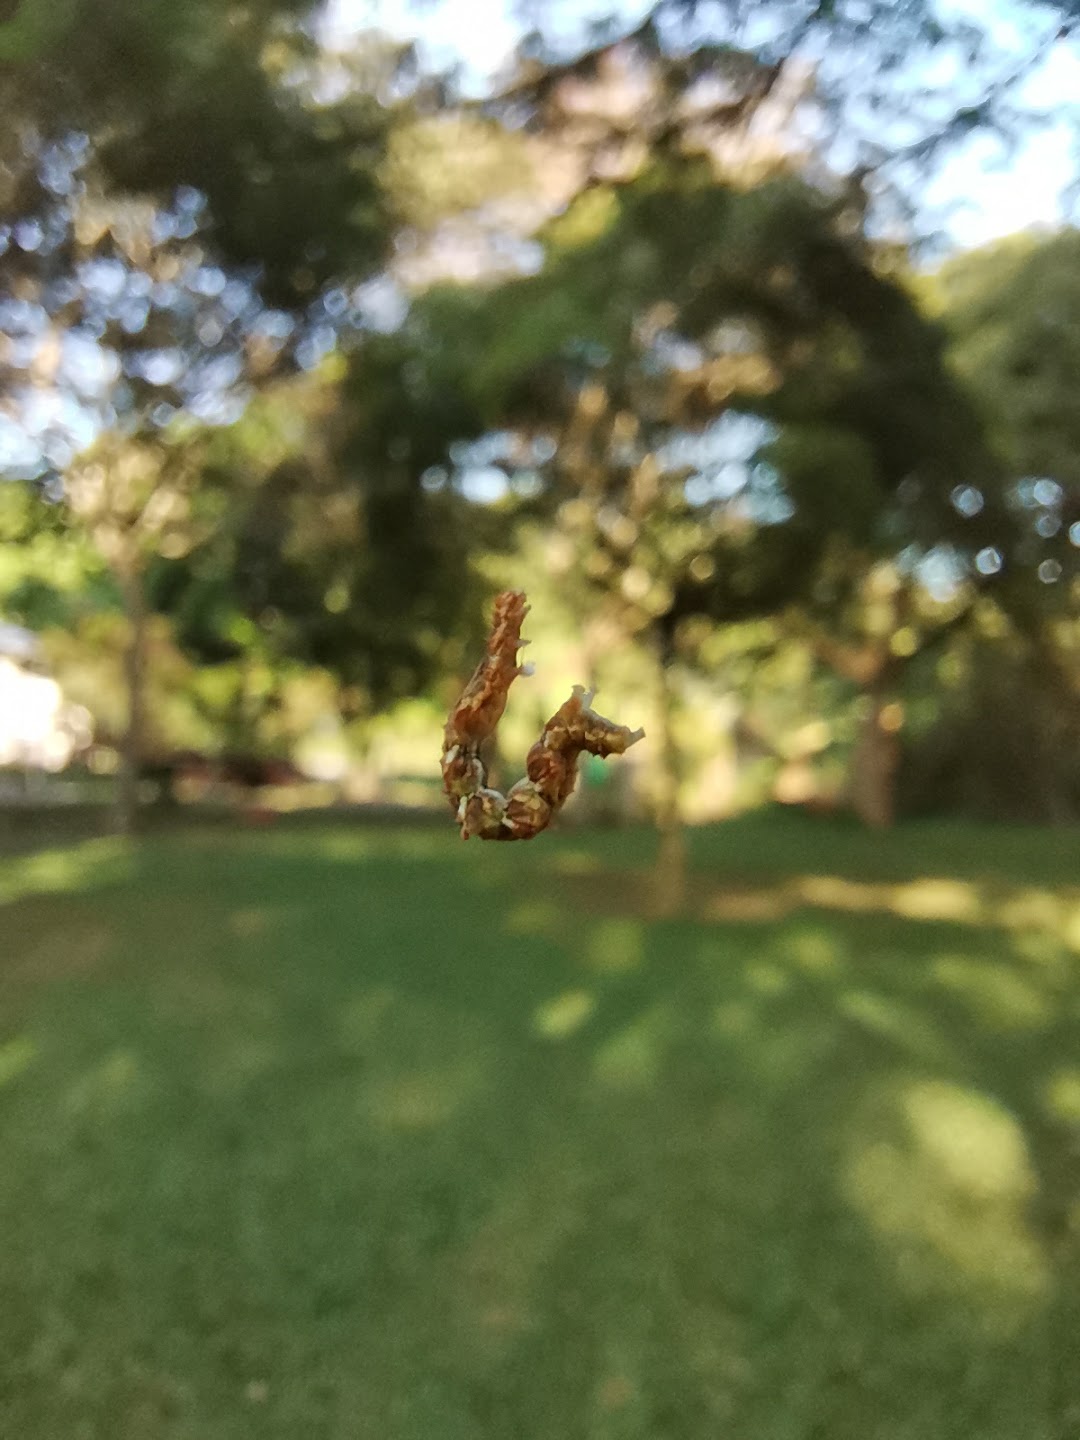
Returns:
<point x="712" y="263"/>
<point x="859" y="80"/>
<point x="321" y="549"/>
<point x="48" y="572"/>
<point x="132" y="496"/>
<point x="219" y="100"/>
<point x="133" y="339"/>
<point x="1013" y="311"/>
<point x="715" y="395"/>
<point x="171" y="254"/>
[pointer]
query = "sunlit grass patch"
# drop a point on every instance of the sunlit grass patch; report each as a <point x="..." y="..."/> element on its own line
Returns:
<point x="616" y="946"/>
<point x="944" y="1175"/>
<point x="1062" y="1094"/>
<point x="90" y="864"/>
<point x="563" y="1014"/>
<point x="16" y="1055"/>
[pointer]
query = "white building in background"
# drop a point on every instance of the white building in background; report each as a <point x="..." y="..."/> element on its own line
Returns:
<point x="39" y="729"/>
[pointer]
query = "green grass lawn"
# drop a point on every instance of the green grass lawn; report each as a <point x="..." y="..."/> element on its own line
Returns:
<point x="325" y="1132"/>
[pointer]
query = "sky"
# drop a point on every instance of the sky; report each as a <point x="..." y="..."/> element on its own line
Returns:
<point x="975" y="197"/>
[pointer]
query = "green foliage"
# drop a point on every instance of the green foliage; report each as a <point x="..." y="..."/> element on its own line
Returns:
<point x="206" y="96"/>
<point x="48" y="573"/>
<point x="700" y="276"/>
<point x="452" y="163"/>
<point x="1014" y="310"/>
<point x="993" y="759"/>
<point x="34" y="28"/>
<point x="318" y="548"/>
<point x="832" y="473"/>
<point x="677" y="300"/>
<point x="1014" y="313"/>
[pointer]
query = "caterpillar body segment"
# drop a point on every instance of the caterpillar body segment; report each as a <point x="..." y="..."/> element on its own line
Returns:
<point x="551" y="766"/>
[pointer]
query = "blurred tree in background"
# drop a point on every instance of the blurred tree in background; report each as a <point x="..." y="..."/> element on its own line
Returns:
<point x="217" y="99"/>
<point x="173" y="241"/>
<point x="706" y="291"/>
<point x="299" y="337"/>
<point x="1013" y="311"/>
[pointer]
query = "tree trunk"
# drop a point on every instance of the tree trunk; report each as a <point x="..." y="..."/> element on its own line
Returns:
<point x="874" y="763"/>
<point x="132" y="741"/>
<point x="669" y="873"/>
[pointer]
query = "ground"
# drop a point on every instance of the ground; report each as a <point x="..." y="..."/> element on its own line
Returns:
<point x="324" y="1133"/>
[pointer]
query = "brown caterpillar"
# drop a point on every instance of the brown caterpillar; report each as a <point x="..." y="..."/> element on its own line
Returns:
<point x="551" y="767"/>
